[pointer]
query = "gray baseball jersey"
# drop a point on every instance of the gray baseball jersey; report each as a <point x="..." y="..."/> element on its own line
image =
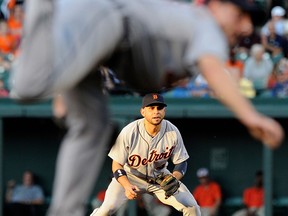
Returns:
<point x="146" y="156"/>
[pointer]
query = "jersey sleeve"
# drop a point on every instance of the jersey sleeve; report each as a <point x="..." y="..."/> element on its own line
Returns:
<point x="180" y="153"/>
<point x="118" y="152"/>
<point x="207" y="39"/>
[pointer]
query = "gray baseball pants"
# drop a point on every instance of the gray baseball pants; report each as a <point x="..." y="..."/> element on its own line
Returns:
<point x="58" y="54"/>
<point x="115" y="197"/>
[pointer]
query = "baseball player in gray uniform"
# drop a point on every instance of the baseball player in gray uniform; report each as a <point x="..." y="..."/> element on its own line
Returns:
<point x="140" y="155"/>
<point x="150" y="44"/>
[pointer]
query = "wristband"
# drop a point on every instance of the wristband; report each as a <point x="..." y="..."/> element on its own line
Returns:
<point x="118" y="173"/>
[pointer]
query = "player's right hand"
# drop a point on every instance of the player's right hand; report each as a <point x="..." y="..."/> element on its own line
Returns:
<point x="131" y="192"/>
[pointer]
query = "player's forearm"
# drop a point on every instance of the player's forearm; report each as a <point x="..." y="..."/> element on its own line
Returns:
<point x="123" y="180"/>
<point x="177" y="175"/>
<point x="225" y="88"/>
<point x="121" y="176"/>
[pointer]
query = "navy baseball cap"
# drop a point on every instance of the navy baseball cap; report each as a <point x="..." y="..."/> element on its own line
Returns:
<point x="153" y="99"/>
<point x="257" y="13"/>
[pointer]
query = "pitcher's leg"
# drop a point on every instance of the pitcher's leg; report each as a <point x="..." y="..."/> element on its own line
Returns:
<point x="85" y="40"/>
<point x="62" y="43"/>
<point x="82" y="152"/>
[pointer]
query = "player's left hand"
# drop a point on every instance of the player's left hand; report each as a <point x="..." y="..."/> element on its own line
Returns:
<point x="168" y="183"/>
<point x="266" y="130"/>
<point x="131" y="192"/>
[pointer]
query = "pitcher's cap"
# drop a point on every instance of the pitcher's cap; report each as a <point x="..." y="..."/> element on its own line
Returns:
<point x="153" y="98"/>
<point x="258" y="15"/>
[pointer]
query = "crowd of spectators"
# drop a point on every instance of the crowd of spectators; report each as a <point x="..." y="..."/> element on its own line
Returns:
<point x="11" y="25"/>
<point x="258" y="63"/>
<point x="209" y="196"/>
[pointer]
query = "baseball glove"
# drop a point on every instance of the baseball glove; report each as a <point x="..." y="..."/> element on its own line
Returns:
<point x="168" y="183"/>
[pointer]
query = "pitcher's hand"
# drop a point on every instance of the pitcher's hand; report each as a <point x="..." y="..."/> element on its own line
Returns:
<point x="265" y="129"/>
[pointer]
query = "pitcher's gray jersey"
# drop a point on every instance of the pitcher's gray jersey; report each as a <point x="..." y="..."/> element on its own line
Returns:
<point x="145" y="156"/>
<point x="161" y="54"/>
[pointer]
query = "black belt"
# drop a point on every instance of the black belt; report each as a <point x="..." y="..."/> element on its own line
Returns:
<point x="151" y="180"/>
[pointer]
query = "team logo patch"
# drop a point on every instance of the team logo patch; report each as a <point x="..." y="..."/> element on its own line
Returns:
<point x="155" y="96"/>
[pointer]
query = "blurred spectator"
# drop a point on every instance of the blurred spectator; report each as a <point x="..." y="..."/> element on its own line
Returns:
<point x="274" y="43"/>
<point x="247" y="88"/>
<point x="253" y="198"/>
<point x="245" y="44"/>
<point x="187" y="88"/>
<point x="15" y="22"/>
<point x="24" y="198"/>
<point x="6" y="6"/>
<point x="8" y="43"/>
<point x="5" y="66"/>
<point x="182" y="90"/>
<point x="235" y="66"/>
<point x="3" y="91"/>
<point x="285" y="50"/>
<point x="258" y="69"/>
<point x="235" y="69"/>
<point x="207" y="194"/>
<point x="277" y="19"/>
<point x="200" y="88"/>
<point x="5" y="62"/>
<point x="280" y="88"/>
